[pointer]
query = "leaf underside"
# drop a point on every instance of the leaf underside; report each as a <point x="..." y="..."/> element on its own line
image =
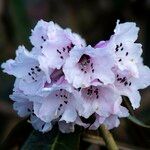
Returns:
<point x="138" y="122"/>
<point x="54" y="140"/>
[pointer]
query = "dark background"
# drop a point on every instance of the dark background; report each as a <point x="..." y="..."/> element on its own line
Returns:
<point x="94" y="20"/>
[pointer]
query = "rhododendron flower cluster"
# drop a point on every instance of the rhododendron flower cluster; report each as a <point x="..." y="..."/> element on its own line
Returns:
<point x="63" y="81"/>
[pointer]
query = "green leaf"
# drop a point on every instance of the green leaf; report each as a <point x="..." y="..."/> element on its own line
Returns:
<point x="53" y="140"/>
<point x="138" y="122"/>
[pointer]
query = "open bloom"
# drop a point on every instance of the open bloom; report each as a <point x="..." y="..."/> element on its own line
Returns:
<point x="51" y="40"/>
<point x="131" y="74"/>
<point x="44" y="31"/>
<point x="123" y="47"/>
<point x="60" y="49"/>
<point x="87" y="65"/>
<point x="26" y="68"/>
<point x="112" y="120"/>
<point x="24" y="108"/>
<point x="128" y="85"/>
<point x="61" y="103"/>
<point x="100" y="100"/>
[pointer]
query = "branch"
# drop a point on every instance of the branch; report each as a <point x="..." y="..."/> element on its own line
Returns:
<point x="108" y="138"/>
<point x="98" y="140"/>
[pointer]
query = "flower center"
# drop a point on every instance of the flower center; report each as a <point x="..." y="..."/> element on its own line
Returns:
<point x="123" y="80"/>
<point x="91" y="92"/>
<point x="121" y="52"/>
<point x="64" y="51"/>
<point x="64" y="96"/>
<point x="56" y="75"/>
<point x="86" y="64"/>
<point x="34" y="73"/>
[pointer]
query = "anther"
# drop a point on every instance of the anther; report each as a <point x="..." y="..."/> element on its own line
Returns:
<point x="58" y="51"/>
<point x="125" y="83"/>
<point x="61" y="57"/>
<point x="38" y="70"/>
<point x="72" y="45"/>
<point x="65" y="102"/>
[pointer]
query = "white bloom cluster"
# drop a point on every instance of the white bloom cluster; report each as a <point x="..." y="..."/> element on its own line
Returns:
<point x="62" y="81"/>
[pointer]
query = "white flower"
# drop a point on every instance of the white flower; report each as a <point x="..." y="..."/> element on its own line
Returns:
<point x="87" y="65"/>
<point x="26" y="68"/>
<point x="60" y="103"/>
<point x="100" y="100"/>
<point x="112" y="120"/>
<point x="44" y="31"/>
<point x="131" y="74"/>
<point x="54" y="53"/>
<point x="123" y="47"/>
<point x="128" y="85"/>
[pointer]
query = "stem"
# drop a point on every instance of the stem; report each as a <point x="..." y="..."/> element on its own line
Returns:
<point x="108" y="138"/>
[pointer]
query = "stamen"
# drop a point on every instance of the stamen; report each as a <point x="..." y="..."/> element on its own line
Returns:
<point x="72" y="45"/>
<point x="38" y="70"/>
<point x="61" y="57"/>
<point x="58" y="51"/>
<point x="65" y="102"/>
<point x="125" y="83"/>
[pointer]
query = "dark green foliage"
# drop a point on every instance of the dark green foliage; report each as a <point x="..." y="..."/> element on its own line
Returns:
<point x="54" y="140"/>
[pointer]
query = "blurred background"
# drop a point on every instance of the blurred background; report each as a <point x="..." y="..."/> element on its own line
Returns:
<point x="94" y="20"/>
